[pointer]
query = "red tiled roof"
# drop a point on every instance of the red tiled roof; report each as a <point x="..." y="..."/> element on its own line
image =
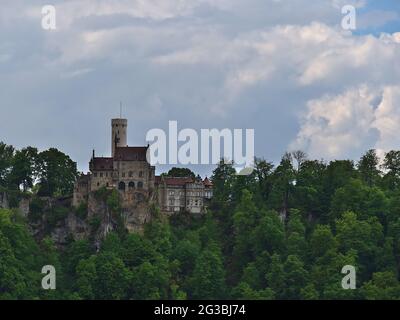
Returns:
<point x="207" y="182"/>
<point x="173" y="181"/>
<point x="101" y="164"/>
<point x="177" y="181"/>
<point x="130" y="153"/>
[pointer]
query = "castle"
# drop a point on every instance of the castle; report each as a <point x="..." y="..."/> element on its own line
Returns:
<point x="129" y="172"/>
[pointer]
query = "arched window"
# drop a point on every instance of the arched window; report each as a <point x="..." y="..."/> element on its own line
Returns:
<point x="121" y="186"/>
<point x="131" y="185"/>
<point x="130" y="174"/>
<point x="140" y="184"/>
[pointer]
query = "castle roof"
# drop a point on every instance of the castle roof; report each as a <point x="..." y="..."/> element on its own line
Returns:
<point x="101" y="163"/>
<point x="177" y="181"/>
<point x="180" y="181"/>
<point x="207" y="182"/>
<point x="130" y="153"/>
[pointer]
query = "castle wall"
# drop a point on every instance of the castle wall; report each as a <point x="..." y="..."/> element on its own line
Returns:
<point x="100" y="179"/>
<point x="140" y="173"/>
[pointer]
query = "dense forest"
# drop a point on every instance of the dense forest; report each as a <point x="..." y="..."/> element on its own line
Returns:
<point x="283" y="232"/>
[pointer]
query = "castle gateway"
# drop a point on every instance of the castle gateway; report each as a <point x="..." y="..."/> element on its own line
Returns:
<point x="129" y="172"/>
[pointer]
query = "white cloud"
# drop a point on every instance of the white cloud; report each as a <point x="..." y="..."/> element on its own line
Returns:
<point x="350" y="123"/>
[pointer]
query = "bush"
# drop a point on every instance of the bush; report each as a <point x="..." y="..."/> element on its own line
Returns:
<point x="82" y="211"/>
<point x="95" y="223"/>
<point x="56" y="215"/>
<point x="36" y="209"/>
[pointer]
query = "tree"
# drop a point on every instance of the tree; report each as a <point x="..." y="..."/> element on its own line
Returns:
<point x="268" y="235"/>
<point x="262" y="174"/>
<point x="276" y="276"/>
<point x="368" y="168"/>
<point x="300" y="157"/>
<point x="245" y="220"/>
<point x="296" y="277"/>
<point x="6" y="157"/>
<point x="322" y="241"/>
<point x="208" y="281"/>
<point x="23" y="168"/>
<point x="11" y="280"/>
<point x="86" y="278"/>
<point x="180" y="172"/>
<point x="150" y="280"/>
<point x="57" y="173"/>
<point x="309" y="191"/>
<point x="362" y="236"/>
<point x="361" y="199"/>
<point x="283" y="183"/>
<point x="112" y="277"/>
<point x="383" y="286"/>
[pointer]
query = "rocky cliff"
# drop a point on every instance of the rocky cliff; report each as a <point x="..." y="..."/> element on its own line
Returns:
<point x="105" y="211"/>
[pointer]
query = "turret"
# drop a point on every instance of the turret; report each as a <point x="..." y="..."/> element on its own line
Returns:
<point x="118" y="133"/>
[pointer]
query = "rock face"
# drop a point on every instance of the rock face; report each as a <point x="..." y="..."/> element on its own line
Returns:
<point x="58" y="219"/>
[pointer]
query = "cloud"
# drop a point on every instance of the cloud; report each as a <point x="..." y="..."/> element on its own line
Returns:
<point x="351" y="123"/>
<point x="274" y="66"/>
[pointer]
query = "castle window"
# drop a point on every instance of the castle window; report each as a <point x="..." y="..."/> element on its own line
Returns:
<point x="130" y="174"/>
<point x="121" y="186"/>
<point x="101" y="174"/>
<point x="123" y="174"/>
<point x="131" y="185"/>
<point x="140" y="174"/>
<point x="95" y="174"/>
<point x="140" y="185"/>
<point x="98" y="184"/>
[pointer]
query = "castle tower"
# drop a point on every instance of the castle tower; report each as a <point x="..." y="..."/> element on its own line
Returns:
<point x="118" y="133"/>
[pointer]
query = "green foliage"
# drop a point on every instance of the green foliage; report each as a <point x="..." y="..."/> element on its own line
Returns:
<point x="57" y="173"/>
<point x="180" y="172"/>
<point x="279" y="233"/>
<point x="57" y="214"/>
<point x="82" y="211"/>
<point x="36" y="209"/>
<point x="94" y="223"/>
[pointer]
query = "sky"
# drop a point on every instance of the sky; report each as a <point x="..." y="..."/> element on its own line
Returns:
<point x="285" y="68"/>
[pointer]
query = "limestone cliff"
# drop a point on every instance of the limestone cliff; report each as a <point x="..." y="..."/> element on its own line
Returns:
<point x="105" y="211"/>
